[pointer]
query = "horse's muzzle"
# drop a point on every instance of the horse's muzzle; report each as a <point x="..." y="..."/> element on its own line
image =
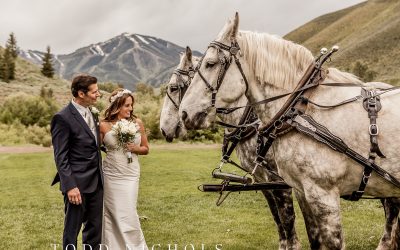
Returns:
<point x="167" y="137"/>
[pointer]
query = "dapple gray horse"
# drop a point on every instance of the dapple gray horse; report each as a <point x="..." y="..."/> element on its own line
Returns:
<point x="280" y="201"/>
<point x="274" y="66"/>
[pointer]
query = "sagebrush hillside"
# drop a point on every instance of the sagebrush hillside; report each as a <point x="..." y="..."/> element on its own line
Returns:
<point x="29" y="80"/>
<point x="368" y="32"/>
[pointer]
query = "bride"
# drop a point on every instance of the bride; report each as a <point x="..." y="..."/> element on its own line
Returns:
<point x="121" y="226"/>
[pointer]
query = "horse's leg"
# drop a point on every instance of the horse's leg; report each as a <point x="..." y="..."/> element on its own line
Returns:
<point x="396" y="236"/>
<point x="390" y="237"/>
<point x="309" y="220"/>
<point x="284" y="203"/>
<point x="325" y="206"/>
<point x="275" y="214"/>
<point x="284" y="209"/>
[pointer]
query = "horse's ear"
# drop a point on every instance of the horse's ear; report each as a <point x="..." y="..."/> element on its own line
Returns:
<point x="235" y="27"/>
<point x="230" y="30"/>
<point x="188" y="53"/>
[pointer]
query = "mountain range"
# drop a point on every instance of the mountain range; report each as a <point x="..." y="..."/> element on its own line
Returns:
<point x="368" y="32"/>
<point x="127" y="59"/>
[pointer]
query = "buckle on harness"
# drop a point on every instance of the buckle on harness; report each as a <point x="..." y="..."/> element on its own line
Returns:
<point x="373" y="129"/>
<point x="365" y="179"/>
<point x="234" y="50"/>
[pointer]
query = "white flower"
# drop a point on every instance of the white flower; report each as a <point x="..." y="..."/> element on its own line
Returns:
<point x="119" y="94"/>
<point x="94" y="111"/>
<point x="125" y="131"/>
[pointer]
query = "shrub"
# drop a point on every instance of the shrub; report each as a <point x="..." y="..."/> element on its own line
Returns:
<point x="38" y="135"/>
<point x="28" y="109"/>
<point x="16" y="133"/>
<point x="214" y="134"/>
<point x="12" y="134"/>
<point x="147" y="108"/>
<point x="109" y="86"/>
<point x="361" y="70"/>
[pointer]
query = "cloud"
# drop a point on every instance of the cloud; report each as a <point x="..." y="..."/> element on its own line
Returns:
<point x="67" y="25"/>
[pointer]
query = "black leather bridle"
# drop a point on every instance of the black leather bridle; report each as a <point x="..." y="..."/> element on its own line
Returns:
<point x="225" y="61"/>
<point x="181" y="85"/>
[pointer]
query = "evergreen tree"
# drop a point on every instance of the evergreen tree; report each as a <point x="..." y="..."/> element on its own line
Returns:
<point x="8" y="62"/>
<point x="12" y="46"/>
<point x="8" y="66"/>
<point x="47" y="66"/>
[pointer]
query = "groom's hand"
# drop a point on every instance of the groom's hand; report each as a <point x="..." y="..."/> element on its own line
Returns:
<point x="74" y="196"/>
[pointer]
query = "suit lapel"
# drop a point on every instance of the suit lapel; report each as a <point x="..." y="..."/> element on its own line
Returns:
<point x="78" y="117"/>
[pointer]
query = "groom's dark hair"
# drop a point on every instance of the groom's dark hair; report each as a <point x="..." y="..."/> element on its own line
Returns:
<point x="82" y="82"/>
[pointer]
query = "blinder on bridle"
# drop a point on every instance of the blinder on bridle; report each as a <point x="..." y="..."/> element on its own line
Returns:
<point x="181" y="85"/>
<point x="225" y="61"/>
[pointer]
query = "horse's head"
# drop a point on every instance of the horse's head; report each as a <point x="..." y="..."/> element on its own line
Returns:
<point x="217" y="75"/>
<point x="176" y="88"/>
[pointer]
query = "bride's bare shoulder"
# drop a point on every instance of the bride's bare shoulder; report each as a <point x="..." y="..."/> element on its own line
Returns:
<point x="105" y="126"/>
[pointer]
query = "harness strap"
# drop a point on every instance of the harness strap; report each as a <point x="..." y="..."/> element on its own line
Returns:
<point x="238" y="188"/>
<point x="265" y="101"/>
<point x="262" y="149"/>
<point x="228" y="125"/>
<point x="372" y="105"/>
<point x="172" y="100"/>
<point x="356" y="98"/>
<point x="307" y="125"/>
<point x="230" y="142"/>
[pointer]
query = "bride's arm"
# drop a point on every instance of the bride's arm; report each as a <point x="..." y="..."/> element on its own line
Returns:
<point x="102" y="131"/>
<point x="143" y="148"/>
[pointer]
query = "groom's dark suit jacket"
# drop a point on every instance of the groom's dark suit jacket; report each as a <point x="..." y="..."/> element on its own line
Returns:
<point x="77" y="156"/>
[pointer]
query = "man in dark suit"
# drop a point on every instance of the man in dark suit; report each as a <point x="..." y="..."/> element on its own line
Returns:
<point x="76" y="141"/>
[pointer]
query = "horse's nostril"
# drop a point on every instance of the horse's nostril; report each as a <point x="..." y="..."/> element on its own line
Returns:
<point x="184" y="115"/>
<point x="163" y="132"/>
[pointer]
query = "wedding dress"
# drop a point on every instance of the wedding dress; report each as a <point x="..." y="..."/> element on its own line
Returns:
<point x="121" y="225"/>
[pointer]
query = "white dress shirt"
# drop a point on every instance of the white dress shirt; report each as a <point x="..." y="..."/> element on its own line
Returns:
<point x="87" y="117"/>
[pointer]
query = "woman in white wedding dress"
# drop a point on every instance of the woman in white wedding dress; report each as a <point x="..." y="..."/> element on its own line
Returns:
<point x="121" y="225"/>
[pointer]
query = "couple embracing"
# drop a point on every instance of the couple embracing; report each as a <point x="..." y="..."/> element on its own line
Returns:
<point x="100" y="195"/>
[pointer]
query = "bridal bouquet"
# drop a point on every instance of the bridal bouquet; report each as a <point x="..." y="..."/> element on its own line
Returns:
<point x="125" y="131"/>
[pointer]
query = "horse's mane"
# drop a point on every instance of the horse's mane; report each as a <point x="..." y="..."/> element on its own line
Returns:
<point x="267" y="63"/>
<point x="336" y="75"/>
<point x="195" y="60"/>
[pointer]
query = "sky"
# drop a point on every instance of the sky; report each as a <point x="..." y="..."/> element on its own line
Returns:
<point x="67" y="25"/>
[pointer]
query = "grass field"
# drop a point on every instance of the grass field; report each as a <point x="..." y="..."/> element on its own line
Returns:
<point x="31" y="212"/>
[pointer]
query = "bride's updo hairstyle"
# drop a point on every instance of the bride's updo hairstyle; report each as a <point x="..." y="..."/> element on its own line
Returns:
<point x="117" y="100"/>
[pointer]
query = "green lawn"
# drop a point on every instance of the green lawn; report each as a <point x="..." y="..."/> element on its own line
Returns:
<point x="31" y="212"/>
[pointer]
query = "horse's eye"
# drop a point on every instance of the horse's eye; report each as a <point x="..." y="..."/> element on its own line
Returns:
<point x="173" y="88"/>
<point x="210" y="65"/>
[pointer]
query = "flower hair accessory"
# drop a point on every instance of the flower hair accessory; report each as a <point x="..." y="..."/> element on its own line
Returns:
<point x="119" y="94"/>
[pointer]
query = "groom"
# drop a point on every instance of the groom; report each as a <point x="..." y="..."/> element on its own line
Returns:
<point x="76" y="140"/>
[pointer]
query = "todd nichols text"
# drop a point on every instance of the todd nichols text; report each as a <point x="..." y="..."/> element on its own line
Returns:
<point x="159" y="246"/>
